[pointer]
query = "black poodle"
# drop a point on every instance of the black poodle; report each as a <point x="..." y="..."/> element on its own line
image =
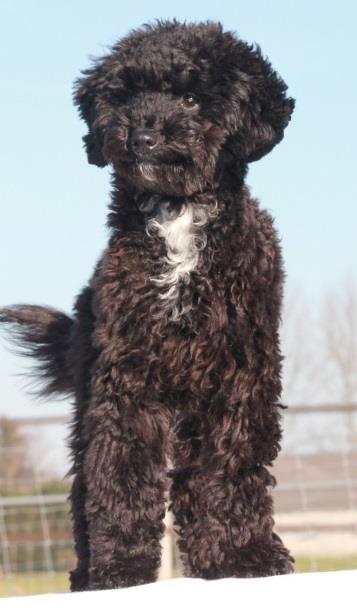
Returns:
<point x="172" y="353"/>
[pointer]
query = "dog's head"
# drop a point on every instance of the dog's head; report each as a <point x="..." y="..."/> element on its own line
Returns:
<point x="173" y="106"/>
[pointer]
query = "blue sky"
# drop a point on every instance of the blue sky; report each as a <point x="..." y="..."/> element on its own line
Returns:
<point x="53" y="205"/>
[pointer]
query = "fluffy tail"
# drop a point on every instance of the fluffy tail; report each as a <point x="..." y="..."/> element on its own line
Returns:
<point x="42" y="333"/>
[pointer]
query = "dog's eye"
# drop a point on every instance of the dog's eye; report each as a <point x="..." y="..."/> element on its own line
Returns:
<point x="189" y="100"/>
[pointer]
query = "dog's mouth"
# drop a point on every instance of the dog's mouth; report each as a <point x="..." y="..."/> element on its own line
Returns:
<point x="150" y="168"/>
<point x="179" y="160"/>
<point x="170" y="172"/>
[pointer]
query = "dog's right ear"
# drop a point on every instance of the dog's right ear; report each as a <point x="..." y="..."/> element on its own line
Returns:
<point x="86" y="95"/>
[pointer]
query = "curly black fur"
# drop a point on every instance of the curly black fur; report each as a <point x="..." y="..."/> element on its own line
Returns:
<point x="172" y="353"/>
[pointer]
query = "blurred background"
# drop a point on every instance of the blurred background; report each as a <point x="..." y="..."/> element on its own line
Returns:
<point x="47" y="253"/>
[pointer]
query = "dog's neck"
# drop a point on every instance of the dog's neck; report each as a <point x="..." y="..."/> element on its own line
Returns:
<point x="130" y="209"/>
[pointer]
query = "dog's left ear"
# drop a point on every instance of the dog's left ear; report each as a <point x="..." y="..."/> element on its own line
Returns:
<point x="264" y="109"/>
<point x="86" y="95"/>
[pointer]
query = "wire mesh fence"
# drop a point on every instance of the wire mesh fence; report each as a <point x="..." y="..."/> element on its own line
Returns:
<point x="315" y="499"/>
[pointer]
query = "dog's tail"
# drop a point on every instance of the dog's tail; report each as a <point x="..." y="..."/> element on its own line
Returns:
<point x="44" y="334"/>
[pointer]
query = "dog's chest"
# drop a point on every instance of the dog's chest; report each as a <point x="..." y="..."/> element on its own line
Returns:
<point x="184" y="238"/>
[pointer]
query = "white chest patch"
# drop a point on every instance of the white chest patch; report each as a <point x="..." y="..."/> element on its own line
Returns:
<point x="185" y="238"/>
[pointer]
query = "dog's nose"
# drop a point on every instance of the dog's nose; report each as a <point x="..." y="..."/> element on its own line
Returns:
<point x="143" y="139"/>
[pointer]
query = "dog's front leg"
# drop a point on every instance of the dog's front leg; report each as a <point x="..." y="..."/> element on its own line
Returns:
<point x="223" y="505"/>
<point x="124" y="467"/>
